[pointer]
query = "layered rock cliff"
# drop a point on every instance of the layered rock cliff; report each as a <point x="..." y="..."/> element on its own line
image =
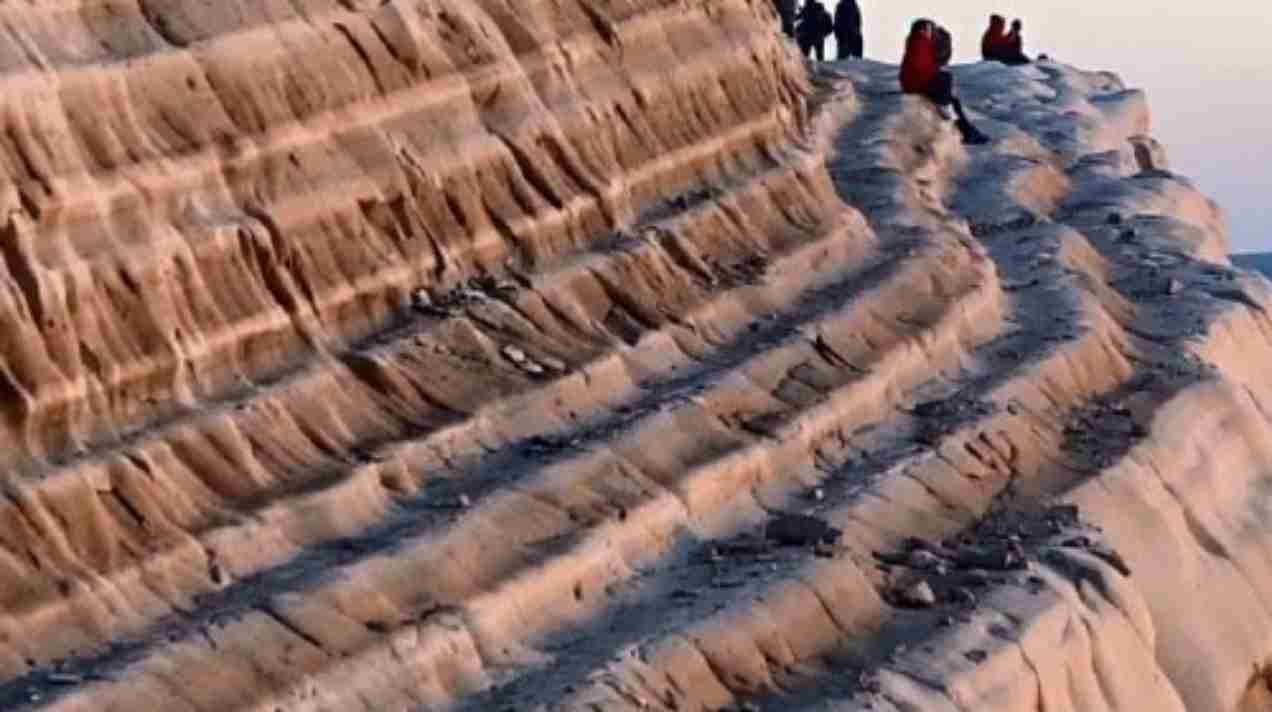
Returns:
<point x="476" y="354"/>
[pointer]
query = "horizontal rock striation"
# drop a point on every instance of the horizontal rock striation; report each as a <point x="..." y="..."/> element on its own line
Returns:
<point x="600" y="355"/>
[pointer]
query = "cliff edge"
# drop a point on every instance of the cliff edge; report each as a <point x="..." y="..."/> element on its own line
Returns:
<point x="579" y="355"/>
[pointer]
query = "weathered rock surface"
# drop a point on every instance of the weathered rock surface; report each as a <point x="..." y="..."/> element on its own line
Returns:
<point x="595" y="355"/>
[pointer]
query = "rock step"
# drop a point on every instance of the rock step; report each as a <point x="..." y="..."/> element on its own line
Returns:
<point x="154" y="302"/>
<point x="373" y="425"/>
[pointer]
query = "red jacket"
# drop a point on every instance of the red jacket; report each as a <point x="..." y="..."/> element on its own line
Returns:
<point x="919" y="66"/>
<point x="994" y="43"/>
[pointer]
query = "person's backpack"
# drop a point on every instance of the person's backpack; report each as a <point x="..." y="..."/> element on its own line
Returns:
<point x="944" y="46"/>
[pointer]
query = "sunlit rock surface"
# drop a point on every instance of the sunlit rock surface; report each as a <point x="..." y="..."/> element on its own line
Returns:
<point x="476" y="354"/>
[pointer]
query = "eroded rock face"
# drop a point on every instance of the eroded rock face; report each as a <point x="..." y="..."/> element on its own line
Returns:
<point x="201" y="194"/>
<point x="583" y="355"/>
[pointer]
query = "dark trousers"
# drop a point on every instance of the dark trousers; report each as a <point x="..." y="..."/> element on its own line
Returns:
<point x="941" y="92"/>
<point x="850" y="45"/>
<point x="814" y="45"/>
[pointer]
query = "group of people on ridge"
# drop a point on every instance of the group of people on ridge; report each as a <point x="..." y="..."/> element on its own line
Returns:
<point x="813" y="23"/>
<point x="1001" y="45"/>
<point x="928" y="49"/>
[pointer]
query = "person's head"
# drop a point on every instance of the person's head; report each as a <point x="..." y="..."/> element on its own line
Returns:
<point x="997" y="21"/>
<point x="924" y="27"/>
<point x="1016" y="25"/>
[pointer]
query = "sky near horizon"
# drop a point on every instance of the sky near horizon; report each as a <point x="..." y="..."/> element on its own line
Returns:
<point x="1206" y="66"/>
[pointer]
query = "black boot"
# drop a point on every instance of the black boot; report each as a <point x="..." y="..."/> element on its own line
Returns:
<point x="972" y="136"/>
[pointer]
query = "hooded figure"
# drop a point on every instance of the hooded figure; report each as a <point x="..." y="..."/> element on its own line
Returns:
<point x="921" y="73"/>
<point x="994" y="41"/>
<point x="815" y="25"/>
<point x="848" y="29"/>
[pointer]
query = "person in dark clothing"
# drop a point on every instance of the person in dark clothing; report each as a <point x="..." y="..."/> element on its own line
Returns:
<point x="786" y="11"/>
<point x="814" y="26"/>
<point x="848" y="29"/>
<point x="922" y="73"/>
<point x="1015" y="45"/>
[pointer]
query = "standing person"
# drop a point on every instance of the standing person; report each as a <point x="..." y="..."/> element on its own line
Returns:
<point x="921" y="73"/>
<point x="815" y="25"/>
<point x="848" y="29"/>
<point x="786" y="11"/>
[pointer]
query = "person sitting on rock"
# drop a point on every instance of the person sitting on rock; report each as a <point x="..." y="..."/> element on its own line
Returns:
<point x="921" y="73"/>
<point x="815" y="25"/>
<point x="1014" y="52"/>
<point x="994" y="41"/>
<point x="848" y="29"/>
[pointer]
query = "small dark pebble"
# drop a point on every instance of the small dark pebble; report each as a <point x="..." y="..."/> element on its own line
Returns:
<point x="800" y="530"/>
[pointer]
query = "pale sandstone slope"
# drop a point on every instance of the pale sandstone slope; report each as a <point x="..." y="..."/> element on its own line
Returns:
<point x="454" y="354"/>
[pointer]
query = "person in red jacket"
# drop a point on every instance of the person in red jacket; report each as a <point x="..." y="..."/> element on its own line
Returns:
<point x="994" y="42"/>
<point x="921" y="73"/>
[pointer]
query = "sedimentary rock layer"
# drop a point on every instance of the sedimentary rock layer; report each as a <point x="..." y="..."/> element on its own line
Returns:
<point x="475" y="355"/>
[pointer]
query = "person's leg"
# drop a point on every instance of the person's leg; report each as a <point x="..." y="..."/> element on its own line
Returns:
<point x="858" y="46"/>
<point x="843" y="43"/>
<point x="941" y="92"/>
<point x="819" y="49"/>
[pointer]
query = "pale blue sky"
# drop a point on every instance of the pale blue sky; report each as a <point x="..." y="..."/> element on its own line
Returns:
<point x="1207" y="68"/>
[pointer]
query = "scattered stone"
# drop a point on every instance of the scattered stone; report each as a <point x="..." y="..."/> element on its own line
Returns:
<point x="1115" y="218"/>
<point x="1174" y="287"/>
<point x="553" y="363"/>
<point x="800" y="530"/>
<point x="999" y="630"/>
<point x="64" y="678"/>
<point x="515" y="355"/>
<point x="818" y="494"/>
<point x="684" y="595"/>
<point x="1064" y="514"/>
<point x="464" y="502"/>
<point x="1008" y="558"/>
<point x="532" y="368"/>
<point x="920" y="595"/>
<point x="923" y="560"/>
<point x="1036" y="584"/>
<point x="823" y="550"/>
<point x="962" y="596"/>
